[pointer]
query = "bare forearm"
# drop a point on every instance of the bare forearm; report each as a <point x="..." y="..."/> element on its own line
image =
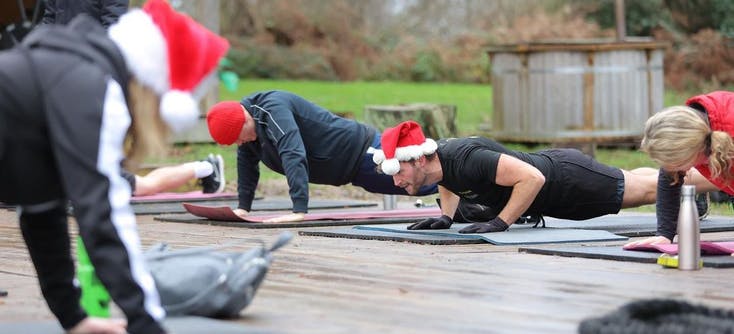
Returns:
<point x="449" y="201"/>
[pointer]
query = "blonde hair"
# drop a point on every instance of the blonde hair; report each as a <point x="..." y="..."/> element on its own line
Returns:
<point x="148" y="133"/>
<point x="677" y="135"/>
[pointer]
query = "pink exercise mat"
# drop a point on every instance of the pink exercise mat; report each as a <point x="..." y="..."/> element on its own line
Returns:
<point x="185" y="196"/>
<point x="707" y="248"/>
<point x="224" y="213"/>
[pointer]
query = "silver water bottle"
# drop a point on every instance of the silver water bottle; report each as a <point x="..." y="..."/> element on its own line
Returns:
<point x="689" y="249"/>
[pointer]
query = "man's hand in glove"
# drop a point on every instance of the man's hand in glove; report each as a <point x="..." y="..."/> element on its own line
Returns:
<point x="439" y="223"/>
<point x="494" y="225"/>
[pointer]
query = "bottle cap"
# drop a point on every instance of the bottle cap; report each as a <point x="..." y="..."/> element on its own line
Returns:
<point x="688" y="190"/>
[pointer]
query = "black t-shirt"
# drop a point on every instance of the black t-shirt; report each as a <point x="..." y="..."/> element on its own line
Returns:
<point x="470" y="167"/>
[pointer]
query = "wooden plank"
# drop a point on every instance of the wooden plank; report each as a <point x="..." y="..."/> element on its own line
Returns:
<point x="593" y="45"/>
<point x="333" y="285"/>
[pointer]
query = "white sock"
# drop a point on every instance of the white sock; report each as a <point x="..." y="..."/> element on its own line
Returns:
<point x="201" y="168"/>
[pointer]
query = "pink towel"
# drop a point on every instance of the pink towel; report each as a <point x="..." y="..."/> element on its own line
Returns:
<point x="707" y="248"/>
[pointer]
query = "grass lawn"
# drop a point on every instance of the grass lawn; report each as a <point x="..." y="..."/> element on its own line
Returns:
<point x="473" y="101"/>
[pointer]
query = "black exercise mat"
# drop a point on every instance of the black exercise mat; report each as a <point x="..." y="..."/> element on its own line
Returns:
<point x="616" y="253"/>
<point x="515" y="235"/>
<point x="178" y="325"/>
<point x="351" y="233"/>
<point x="635" y="225"/>
<point x="191" y="219"/>
<point x="273" y="204"/>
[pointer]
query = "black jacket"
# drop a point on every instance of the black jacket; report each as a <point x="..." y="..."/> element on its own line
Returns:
<point x="64" y="118"/>
<point x="105" y="12"/>
<point x="302" y="141"/>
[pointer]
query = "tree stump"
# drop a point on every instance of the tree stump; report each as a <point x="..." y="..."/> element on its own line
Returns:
<point x="437" y="120"/>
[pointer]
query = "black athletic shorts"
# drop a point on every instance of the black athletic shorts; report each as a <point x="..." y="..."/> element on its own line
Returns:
<point x="582" y="188"/>
<point x="130" y="177"/>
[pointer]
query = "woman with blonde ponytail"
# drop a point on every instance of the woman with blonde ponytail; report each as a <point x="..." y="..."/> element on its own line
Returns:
<point x="693" y="145"/>
<point x="75" y="101"/>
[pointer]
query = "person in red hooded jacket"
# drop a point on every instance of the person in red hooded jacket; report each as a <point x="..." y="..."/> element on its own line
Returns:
<point x="680" y="139"/>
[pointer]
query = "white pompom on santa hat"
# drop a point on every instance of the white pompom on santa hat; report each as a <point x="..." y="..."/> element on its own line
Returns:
<point x="170" y="53"/>
<point x="403" y="142"/>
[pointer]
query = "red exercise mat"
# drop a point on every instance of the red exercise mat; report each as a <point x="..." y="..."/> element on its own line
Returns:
<point x="707" y="248"/>
<point x="225" y="213"/>
<point x="191" y="195"/>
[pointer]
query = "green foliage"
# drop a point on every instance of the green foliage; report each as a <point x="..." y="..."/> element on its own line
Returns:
<point x="722" y="17"/>
<point x="278" y="62"/>
<point x="689" y="16"/>
<point x="692" y="16"/>
<point x="427" y="67"/>
<point x="640" y="16"/>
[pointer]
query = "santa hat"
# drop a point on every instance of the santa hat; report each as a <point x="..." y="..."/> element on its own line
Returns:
<point x="225" y="120"/>
<point x="404" y="142"/>
<point x="170" y="53"/>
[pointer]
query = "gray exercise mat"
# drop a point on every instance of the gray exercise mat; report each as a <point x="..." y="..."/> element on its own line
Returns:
<point x="515" y="235"/>
<point x="616" y="253"/>
<point x="191" y="219"/>
<point x="178" y="325"/>
<point x="352" y="233"/>
<point x="637" y="225"/>
<point x="266" y="204"/>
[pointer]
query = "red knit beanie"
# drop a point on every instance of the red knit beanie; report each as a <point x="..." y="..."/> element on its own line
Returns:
<point x="225" y="120"/>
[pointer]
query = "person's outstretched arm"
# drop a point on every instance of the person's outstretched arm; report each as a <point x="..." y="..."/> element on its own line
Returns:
<point x="666" y="210"/>
<point x="526" y="182"/>
<point x="284" y="136"/>
<point x="248" y="175"/>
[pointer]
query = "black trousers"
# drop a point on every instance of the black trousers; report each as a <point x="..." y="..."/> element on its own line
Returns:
<point x="46" y="234"/>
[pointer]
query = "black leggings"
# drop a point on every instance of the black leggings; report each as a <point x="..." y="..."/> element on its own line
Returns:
<point x="46" y="234"/>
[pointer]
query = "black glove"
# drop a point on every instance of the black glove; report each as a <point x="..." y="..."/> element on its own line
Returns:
<point x="494" y="225"/>
<point x="439" y="223"/>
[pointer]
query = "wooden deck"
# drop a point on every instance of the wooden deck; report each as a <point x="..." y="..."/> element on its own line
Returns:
<point x="332" y="285"/>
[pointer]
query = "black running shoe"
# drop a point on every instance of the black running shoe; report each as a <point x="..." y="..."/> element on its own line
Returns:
<point x="214" y="183"/>
<point x="702" y="204"/>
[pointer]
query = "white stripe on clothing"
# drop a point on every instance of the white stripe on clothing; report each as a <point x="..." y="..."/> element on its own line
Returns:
<point x="271" y="117"/>
<point x="115" y="123"/>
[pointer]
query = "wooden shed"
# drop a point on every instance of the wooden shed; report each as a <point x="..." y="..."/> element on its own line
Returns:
<point x="575" y="92"/>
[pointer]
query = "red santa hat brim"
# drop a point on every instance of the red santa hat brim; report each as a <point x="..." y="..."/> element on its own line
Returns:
<point x="171" y="53"/>
<point x="403" y="142"/>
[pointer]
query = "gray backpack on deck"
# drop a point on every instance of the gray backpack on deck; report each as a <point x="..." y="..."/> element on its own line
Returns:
<point x="208" y="282"/>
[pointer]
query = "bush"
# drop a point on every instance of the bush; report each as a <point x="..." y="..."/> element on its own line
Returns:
<point x="641" y="17"/>
<point x="704" y="60"/>
<point x="278" y="62"/>
<point x="427" y="66"/>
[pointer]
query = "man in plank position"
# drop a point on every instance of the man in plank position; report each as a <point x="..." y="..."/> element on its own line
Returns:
<point x="561" y="183"/>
